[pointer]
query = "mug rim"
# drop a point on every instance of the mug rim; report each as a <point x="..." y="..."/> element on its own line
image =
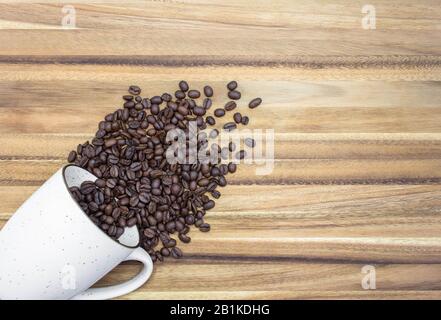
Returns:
<point x="82" y="211"/>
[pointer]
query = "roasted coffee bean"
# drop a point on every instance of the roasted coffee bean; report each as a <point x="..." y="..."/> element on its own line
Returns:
<point x="180" y="94"/>
<point x="100" y="183"/>
<point x="210" y="120"/>
<point x="87" y="187"/>
<point x="110" y="142"/>
<point x="149" y="233"/>
<point x="214" y="133"/>
<point x="156" y="100"/>
<point x="241" y="154"/>
<point x="245" y="120"/>
<point x="237" y="117"/>
<point x="230" y="126"/>
<point x="207" y="103"/>
<point x="234" y="95"/>
<point x="131" y="222"/>
<point x="232" y="85"/>
<point x="254" y="103"/>
<point x="199" y="111"/>
<point x="184" y="238"/>
<point x="205" y="227"/>
<point x="176" y="253"/>
<point x="209" y="205"/>
<point x="135" y="90"/>
<point x="208" y="91"/>
<point x="72" y="156"/>
<point x="219" y="112"/>
<point x="183" y="85"/>
<point x="165" y="252"/>
<point x="232" y="167"/>
<point x="215" y="194"/>
<point x="231" y="105"/>
<point x="194" y="94"/>
<point x="249" y="142"/>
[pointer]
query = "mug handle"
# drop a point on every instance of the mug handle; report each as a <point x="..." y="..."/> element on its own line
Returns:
<point x="110" y="292"/>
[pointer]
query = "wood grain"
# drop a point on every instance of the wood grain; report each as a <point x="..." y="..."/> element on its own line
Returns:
<point x="356" y="114"/>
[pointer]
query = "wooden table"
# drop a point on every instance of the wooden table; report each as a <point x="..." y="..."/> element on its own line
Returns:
<point x="356" y="112"/>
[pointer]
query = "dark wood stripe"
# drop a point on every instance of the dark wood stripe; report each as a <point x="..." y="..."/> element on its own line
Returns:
<point x="309" y="62"/>
<point x="218" y="259"/>
<point x="269" y="181"/>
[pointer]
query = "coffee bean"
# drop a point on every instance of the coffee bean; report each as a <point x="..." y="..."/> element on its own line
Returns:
<point x="241" y="154"/>
<point x="114" y="171"/>
<point x="232" y="167"/>
<point x="232" y="85"/>
<point x="180" y="94"/>
<point x="165" y="252"/>
<point x="156" y="100"/>
<point x="209" y="205"/>
<point x="72" y="156"/>
<point x="245" y="120"/>
<point x="237" y="117"/>
<point x="110" y="142"/>
<point x="135" y="90"/>
<point x="230" y="126"/>
<point x="183" y="85"/>
<point x="219" y="112"/>
<point x="100" y="183"/>
<point x="176" y="253"/>
<point x="210" y="120"/>
<point x="194" y="94"/>
<point x="184" y="238"/>
<point x="149" y="233"/>
<point x="254" y="103"/>
<point x="207" y="103"/>
<point x="131" y="222"/>
<point x="198" y="111"/>
<point x="231" y="105"/>
<point x="205" y="227"/>
<point x="208" y="91"/>
<point x="87" y="187"/>
<point x="215" y="194"/>
<point x="249" y="142"/>
<point x="234" y="95"/>
<point x="111" y="183"/>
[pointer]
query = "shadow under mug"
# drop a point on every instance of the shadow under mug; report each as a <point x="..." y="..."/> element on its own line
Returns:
<point x="50" y="249"/>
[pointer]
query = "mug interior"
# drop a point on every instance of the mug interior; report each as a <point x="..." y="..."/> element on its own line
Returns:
<point x="73" y="177"/>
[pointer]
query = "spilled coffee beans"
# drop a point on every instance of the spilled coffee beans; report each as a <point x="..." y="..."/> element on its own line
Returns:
<point x="136" y="184"/>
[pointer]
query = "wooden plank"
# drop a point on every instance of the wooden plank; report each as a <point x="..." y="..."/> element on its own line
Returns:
<point x="293" y="95"/>
<point x="286" y="146"/>
<point x="308" y="211"/>
<point x="168" y="71"/>
<point x="299" y="171"/>
<point x="276" y="276"/>
<point x="284" y="119"/>
<point x="362" y="250"/>
<point x="303" y="27"/>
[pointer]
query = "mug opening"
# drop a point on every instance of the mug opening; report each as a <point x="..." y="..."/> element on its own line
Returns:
<point x="74" y="175"/>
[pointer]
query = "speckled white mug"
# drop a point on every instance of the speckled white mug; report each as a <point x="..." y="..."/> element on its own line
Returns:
<point x="50" y="249"/>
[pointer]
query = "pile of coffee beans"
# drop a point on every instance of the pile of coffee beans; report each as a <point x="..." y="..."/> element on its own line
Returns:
<point x="136" y="184"/>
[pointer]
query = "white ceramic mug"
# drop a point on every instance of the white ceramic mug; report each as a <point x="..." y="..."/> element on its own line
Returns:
<point x="50" y="249"/>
